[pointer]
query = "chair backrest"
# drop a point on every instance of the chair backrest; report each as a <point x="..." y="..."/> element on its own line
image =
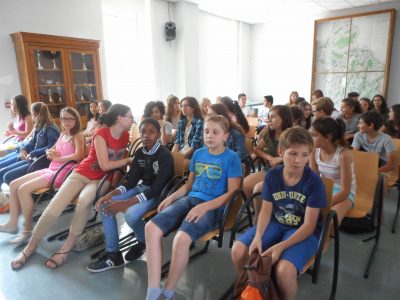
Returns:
<point x="134" y="134"/>
<point x="253" y="121"/>
<point x="250" y="134"/>
<point x="180" y="164"/>
<point x="366" y="173"/>
<point x="394" y="176"/>
<point x="328" y="186"/>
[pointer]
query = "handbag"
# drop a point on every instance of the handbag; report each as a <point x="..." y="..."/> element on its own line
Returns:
<point x="256" y="281"/>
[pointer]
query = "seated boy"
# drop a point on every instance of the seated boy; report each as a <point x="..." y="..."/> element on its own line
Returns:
<point x="322" y="108"/>
<point x="370" y="139"/>
<point x="153" y="164"/>
<point x="215" y="173"/>
<point x="290" y="222"/>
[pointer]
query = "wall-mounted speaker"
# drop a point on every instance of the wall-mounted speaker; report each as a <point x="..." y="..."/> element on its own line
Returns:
<point x="170" y="31"/>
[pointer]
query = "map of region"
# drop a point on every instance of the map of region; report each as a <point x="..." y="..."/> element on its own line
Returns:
<point x="351" y="56"/>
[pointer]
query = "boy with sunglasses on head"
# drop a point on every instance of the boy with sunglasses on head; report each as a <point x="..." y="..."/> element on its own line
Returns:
<point x="215" y="173"/>
<point x="289" y="224"/>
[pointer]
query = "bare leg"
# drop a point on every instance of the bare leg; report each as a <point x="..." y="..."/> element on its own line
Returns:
<point x="26" y="201"/>
<point x="179" y="259"/>
<point x="154" y="254"/>
<point x="250" y="181"/>
<point x="240" y="255"/>
<point x="342" y="208"/>
<point x="286" y="276"/>
<point x="15" y="207"/>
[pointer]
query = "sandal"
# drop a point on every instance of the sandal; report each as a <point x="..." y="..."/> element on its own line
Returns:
<point x="57" y="264"/>
<point x="17" y="264"/>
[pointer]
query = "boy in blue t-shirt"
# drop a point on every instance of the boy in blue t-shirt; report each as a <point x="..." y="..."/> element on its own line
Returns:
<point x="290" y="222"/>
<point x="215" y="173"/>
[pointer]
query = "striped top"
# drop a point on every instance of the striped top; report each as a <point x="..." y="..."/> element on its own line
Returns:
<point x="331" y="169"/>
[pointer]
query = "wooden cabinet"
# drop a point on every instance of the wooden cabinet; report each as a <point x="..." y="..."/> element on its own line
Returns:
<point x="59" y="71"/>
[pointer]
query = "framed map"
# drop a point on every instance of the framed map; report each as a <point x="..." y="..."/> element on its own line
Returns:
<point x="352" y="54"/>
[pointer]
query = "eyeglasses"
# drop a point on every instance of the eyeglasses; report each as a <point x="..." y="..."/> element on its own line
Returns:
<point x="184" y="105"/>
<point x="212" y="171"/>
<point x="68" y="120"/>
<point x="130" y="117"/>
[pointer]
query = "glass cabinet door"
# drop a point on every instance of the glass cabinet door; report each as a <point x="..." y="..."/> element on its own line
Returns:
<point x="50" y="79"/>
<point x="83" y="80"/>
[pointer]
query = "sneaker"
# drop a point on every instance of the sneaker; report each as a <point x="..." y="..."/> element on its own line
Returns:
<point x="136" y="251"/>
<point x="112" y="260"/>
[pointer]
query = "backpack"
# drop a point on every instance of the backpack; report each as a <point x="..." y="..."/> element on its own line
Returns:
<point x="358" y="225"/>
<point x="255" y="282"/>
<point x="91" y="237"/>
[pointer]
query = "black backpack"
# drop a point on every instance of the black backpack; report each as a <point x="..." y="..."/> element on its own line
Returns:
<point x="358" y="225"/>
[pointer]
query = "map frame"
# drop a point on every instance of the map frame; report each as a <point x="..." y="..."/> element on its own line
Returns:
<point x="316" y="76"/>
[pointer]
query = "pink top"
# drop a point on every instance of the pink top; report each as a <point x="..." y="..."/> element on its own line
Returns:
<point x="64" y="147"/>
<point x="20" y="125"/>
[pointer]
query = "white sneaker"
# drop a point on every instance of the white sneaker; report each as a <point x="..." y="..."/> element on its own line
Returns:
<point x="21" y="237"/>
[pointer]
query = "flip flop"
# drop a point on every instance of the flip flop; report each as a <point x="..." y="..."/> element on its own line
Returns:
<point x="50" y="259"/>
<point x="17" y="264"/>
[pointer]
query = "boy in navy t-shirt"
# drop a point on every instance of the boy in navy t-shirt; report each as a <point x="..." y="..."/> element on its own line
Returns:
<point x="290" y="222"/>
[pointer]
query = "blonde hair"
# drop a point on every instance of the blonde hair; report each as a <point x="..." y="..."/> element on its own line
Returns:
<point x="295" y="136"/>
<point x="220" y="120"/>
<point x="43" y="117"/>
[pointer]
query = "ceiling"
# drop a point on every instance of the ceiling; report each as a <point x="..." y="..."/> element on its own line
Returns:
<point x="260" y="11"/>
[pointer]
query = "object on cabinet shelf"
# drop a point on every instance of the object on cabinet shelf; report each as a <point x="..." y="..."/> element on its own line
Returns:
<point x="39" y="66"/>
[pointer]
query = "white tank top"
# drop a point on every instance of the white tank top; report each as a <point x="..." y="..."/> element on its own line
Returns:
<point x="331" y="169"/>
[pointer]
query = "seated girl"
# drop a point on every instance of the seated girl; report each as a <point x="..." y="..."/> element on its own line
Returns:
<point x="173" y="112"/>
<point x="152" y="166"/>
<point x="350" y="114"/>
<point x="215" y="173"/>
<point x="280" y="118"/>
<point x="69" y="146"/>
<point x="189" y="136"/>
<point x="92" y="121"/>
<point x="379" y="104"/>
<point x="21" y="126"/>
<point x="306" y="118"/>
<point x="44" y="135"/>
<point x="107" y="152"/>
<point x="332" y="159"/>
<point x="156" y="110"/>
<point x="236" y="113"/>
<point x="392" y="127"/>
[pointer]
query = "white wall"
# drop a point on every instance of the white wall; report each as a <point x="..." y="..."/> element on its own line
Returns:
<point x="281" y="55"/>
<point x="73" y="18"/>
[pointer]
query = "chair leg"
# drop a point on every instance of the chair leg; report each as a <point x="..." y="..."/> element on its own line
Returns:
<point x="397" y="211"/>
<point x="335" y="259"/>
<point x="228" y="293"/>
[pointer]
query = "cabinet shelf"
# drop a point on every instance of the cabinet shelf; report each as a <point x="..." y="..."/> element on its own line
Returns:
<point x="84" y="85"/>
<point x="50" y="85"/>
<point x="80" y="70"/>
<point x="48" y="70"/>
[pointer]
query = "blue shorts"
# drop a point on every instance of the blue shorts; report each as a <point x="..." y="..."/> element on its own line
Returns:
<point x="173" y="217"/>
<point x="297" y="254"/>
<point x="351" y="197"/>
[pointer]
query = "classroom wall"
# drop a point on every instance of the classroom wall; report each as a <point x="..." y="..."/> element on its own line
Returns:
<point x="281" y="55"/>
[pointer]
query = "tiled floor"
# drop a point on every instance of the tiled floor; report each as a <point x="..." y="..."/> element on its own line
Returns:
<point x="207" y="277"/>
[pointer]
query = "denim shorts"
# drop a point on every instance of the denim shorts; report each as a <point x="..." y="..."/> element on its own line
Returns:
<point x="351" y="197"/>
<point x="173" y="217"/>
<point x="298" y="254"/>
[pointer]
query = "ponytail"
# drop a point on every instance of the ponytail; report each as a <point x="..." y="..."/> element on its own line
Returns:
<point x="336" y="129"/>
<point x="234" y="108"/>
<point x="110" y="117"/>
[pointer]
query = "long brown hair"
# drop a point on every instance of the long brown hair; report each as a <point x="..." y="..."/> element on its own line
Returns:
<point x="220" y="109"/>
<point x="170" y="108"/>
<point x="194" y="104"/>
<point x="72" y="111"/>
<point x="43" y="117"/>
